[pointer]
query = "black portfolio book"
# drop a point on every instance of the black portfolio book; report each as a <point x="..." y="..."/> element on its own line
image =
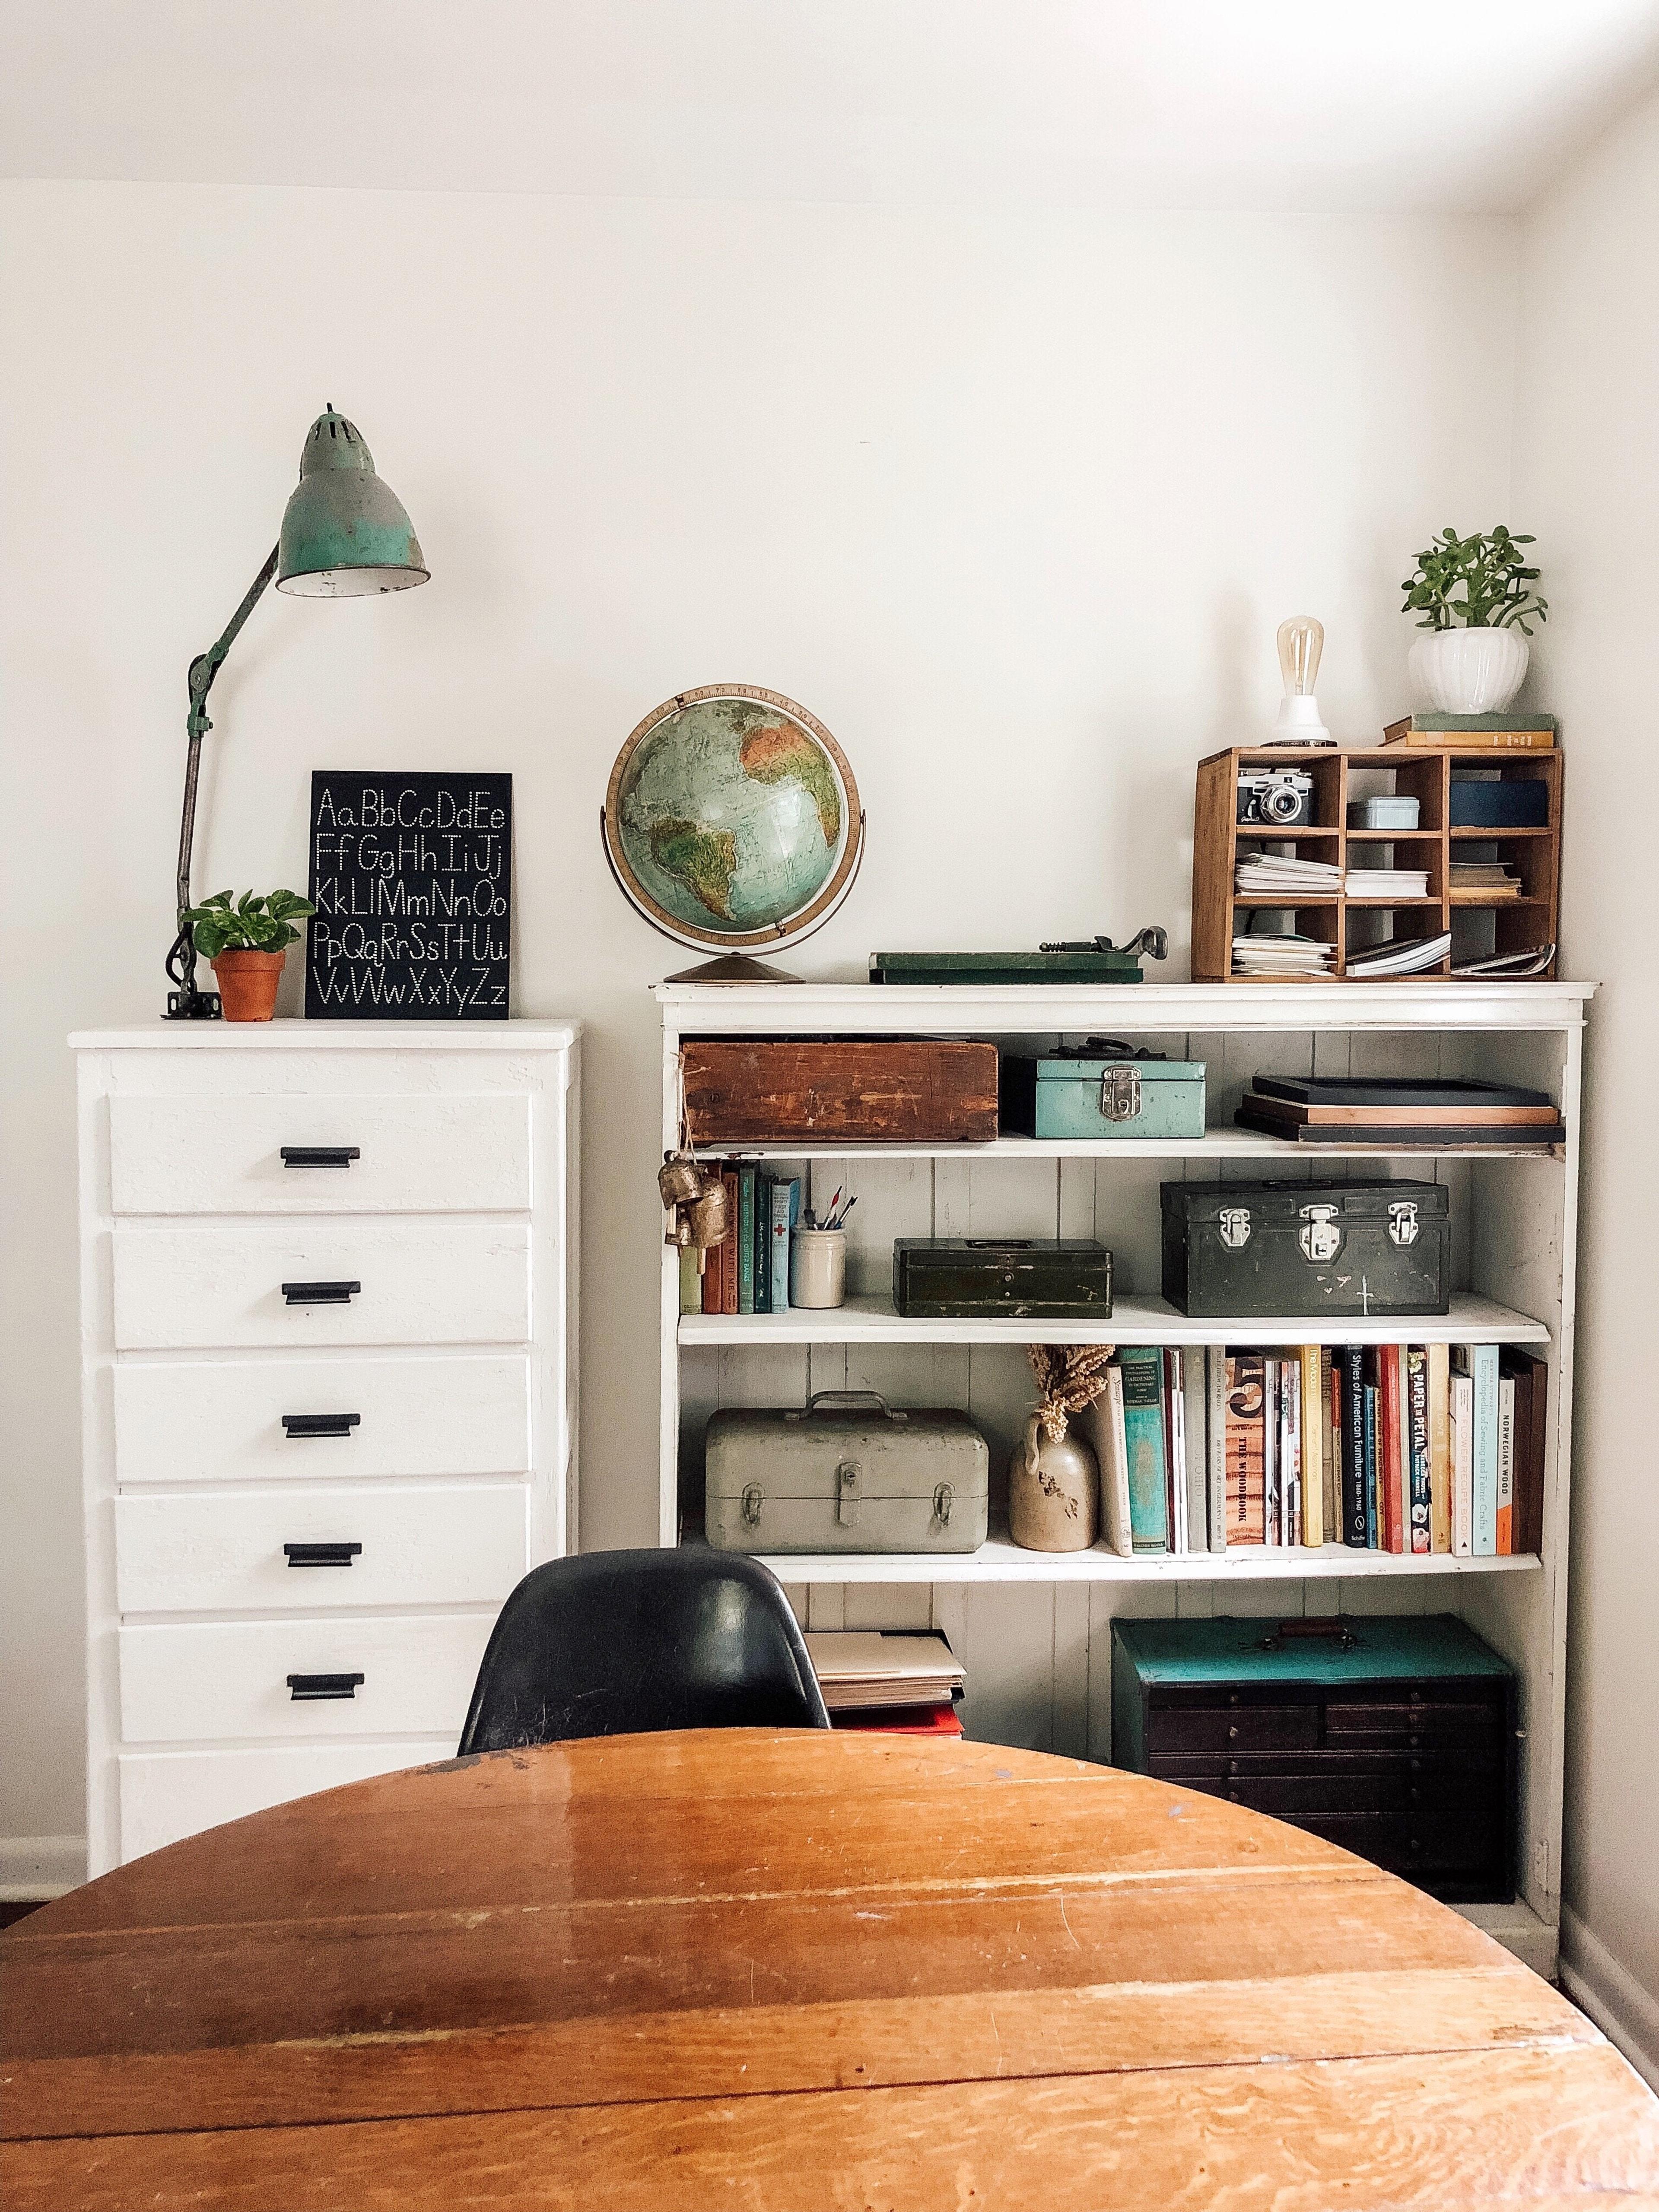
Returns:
<point x="1376" y="1090"/>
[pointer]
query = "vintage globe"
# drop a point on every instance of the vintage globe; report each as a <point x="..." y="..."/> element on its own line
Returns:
<point x="732" y="819"/>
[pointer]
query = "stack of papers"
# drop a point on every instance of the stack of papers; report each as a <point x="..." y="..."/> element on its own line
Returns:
<point x="1400" y="956"/>
<point x="1387" y="882"/>
<point x="1281" y="954"/>
<point x="1491" y="876"/>
<point x="857" y="1670"/>
<point x="1298" y="880"/>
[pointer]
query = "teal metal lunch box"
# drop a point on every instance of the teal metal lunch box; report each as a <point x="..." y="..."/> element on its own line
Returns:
<point x="1101" y="1088"/>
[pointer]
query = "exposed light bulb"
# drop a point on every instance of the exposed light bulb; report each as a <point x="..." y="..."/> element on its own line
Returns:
<point x="1301" y="642"/>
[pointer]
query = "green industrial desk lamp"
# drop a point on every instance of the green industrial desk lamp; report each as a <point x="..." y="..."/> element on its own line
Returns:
<point x="344" y="534"/>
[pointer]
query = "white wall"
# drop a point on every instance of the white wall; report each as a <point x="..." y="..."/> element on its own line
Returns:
<point x="1586" y="481"/>
<point x="1015" y="507"/>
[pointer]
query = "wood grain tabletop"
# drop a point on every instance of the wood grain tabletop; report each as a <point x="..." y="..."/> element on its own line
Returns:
<point x="785" y="1972"/>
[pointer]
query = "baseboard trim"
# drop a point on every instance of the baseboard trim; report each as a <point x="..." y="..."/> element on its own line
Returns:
<point x="34" y="1869"/>
<point x="1627" y="2014"/>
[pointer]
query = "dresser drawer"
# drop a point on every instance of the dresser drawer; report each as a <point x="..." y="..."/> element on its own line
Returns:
<point x="201" y="1420"/>
<point x="193" y="1682"/>
<point x="466" y="1544"/>
<point x="415" y="1282"/>
<point x="444" y="1155"/>
<point x="167" y="1795"/>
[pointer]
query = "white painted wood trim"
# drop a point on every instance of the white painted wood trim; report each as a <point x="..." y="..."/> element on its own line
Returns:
<point x="290" y="1034"/>
<point x="34" y="1869"/>
<point x="1626" y="2011"/>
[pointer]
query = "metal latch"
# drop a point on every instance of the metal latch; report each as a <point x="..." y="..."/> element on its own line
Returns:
<point x="1120" y="1094"/>
<point x="847" y="1493"/>
<point x="1233" y="1224"/>
<point x="944" y="1498"/>
<point x="1321" y="1239"/>
<point x="753" y="1498"/>
<point x="1403" y="1225"/>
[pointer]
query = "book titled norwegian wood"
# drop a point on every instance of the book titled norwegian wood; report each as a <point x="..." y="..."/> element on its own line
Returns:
<point x="1246" y="1449"/>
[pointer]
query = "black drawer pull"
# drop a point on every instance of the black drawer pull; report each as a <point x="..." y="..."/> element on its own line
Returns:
<point x="304" y="1687"/>
<point x="320" y="1156"/>
<point x="320" y="1294"/>
<point x="319" y="1425"/>
<point x="321" y="1555"/>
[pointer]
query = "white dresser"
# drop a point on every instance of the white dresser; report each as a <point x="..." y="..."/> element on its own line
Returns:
<point x="328" y="1351"/>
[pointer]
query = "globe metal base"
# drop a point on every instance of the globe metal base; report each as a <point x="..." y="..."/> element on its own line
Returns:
<point x="733" y="967"/>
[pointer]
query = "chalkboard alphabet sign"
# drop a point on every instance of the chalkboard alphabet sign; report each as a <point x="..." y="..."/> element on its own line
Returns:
<point x="412" y="878"/>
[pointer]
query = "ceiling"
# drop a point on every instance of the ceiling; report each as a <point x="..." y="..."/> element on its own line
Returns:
<point x="1444" y="105"/>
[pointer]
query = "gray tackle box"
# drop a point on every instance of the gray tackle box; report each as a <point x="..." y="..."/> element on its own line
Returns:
<point x="847" y="1473"/>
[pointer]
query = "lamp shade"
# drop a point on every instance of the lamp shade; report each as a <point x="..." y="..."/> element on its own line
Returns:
<point x="344" y="532"/>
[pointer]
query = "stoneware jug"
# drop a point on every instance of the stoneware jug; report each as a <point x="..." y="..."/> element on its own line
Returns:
<point x="1054" y="1493"/>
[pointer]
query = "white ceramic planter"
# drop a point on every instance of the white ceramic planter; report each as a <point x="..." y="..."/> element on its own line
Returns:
<point x="1468" y="672"/>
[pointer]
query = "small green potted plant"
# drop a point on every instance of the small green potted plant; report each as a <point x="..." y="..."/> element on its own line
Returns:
<point x="248" y="943"/>
<point x="1473" y="596"/>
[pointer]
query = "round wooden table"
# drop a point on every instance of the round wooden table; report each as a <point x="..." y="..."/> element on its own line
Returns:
<point x="676" y="1971"/>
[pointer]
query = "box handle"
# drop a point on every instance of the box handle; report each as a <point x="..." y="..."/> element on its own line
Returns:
<point x="1322" y="1629"/>
<point x="851" y="1398"/>
<point x="320" y="1294"/>
<point x="320" y="1156"/>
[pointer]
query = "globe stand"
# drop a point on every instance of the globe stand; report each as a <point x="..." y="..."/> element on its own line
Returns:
<point x="733" y="967"/>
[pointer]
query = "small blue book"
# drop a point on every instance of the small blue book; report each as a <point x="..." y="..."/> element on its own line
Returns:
<point x="1143" y="1439"/>
<point x="785" y="1209"/>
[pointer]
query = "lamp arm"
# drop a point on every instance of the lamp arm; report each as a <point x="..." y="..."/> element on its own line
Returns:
<point x="186" y="1001"/>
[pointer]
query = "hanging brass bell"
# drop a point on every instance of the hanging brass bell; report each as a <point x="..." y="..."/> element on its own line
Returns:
<point x="710" y="1216"/>
<point x="679" y="1179"/>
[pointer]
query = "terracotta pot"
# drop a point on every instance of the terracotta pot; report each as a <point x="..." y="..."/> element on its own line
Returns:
<point x="1054" y="1491"/>
<point x="247" y="984"/>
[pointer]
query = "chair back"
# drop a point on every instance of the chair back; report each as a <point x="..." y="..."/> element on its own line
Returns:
<point x="625" y="1643"/>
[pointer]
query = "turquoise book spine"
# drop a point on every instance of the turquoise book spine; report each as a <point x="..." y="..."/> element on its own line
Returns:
<point x="1143" y="1437"/>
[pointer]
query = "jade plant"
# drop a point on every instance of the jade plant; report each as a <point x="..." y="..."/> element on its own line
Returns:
<point x="264" y="924"/>
<point x="1489" y="569"/>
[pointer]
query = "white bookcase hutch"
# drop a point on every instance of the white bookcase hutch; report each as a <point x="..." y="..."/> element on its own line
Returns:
<point x="1034" y="1630"/>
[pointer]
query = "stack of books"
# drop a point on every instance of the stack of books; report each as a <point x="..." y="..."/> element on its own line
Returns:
<point x="1510" y="967"/>
<point x="1435" y="1112"/>
<point x="888" y="1680"/>
<point x="1516" y="731"/>
<point x="1387" y="882"/>
<point x="1412" y="1449"/>
<point x="1281" y="952"/>
<point x="1399" y="955"/>
<point x="1490" y="878"/>
<point x="1282" y="874"/>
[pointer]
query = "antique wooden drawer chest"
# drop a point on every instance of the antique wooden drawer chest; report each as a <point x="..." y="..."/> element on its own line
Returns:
<point x="1395" y="1738"/>
<point x="328" y="1335"/>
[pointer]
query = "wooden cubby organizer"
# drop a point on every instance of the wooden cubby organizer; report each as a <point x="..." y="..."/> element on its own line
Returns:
<point x="1034" y="1630"/>
<point x="1480" y="923"/>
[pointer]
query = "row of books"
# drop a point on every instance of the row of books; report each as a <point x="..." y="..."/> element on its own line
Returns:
<point x="1398" y="1447"/>
<point x="749" y="1272"/>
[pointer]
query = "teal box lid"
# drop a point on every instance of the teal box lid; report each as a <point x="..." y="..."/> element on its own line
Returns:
<point x="1088" y="1064"/>
<point x="1189" y="1654"/>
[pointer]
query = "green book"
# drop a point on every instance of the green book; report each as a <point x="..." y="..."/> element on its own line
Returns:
<point x="760" y="1275"/>
<point x="1143" y="1437"/>
<point x="745" y="1240"/>
<point x="690" y="1281"/>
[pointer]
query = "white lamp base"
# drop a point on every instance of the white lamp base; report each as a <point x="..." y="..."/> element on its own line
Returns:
<point x="1299" y="723"/>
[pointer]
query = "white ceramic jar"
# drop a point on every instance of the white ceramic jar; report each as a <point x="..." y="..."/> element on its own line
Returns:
<point x="817" y="1267"/>
<point x="1468" y="672"/>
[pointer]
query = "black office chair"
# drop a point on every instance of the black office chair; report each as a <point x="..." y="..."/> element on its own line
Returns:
<point x="625" y="1643"/>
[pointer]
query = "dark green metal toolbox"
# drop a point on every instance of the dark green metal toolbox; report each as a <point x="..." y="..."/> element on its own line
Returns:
<point x="1395" y="1738"/>
<point x="845" y="1473"/>
<point x="989" y="970"/>
<point x="1101" y="1088"/>
<point x="1359" y="1250"/>
<point x="1042" y="1279"/>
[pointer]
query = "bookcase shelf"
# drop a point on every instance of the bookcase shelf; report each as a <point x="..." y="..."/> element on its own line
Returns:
<point x="1219" y="840"/>
<point x="1034" y="1630"/>
<point x="1134" y="1320"/>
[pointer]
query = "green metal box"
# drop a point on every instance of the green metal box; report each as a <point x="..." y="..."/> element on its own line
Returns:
<point x="1100" y="1089"/>
<point x="1036" y="1278"/>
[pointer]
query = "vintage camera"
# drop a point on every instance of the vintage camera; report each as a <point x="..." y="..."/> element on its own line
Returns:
<point x="1279" y="798"/>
